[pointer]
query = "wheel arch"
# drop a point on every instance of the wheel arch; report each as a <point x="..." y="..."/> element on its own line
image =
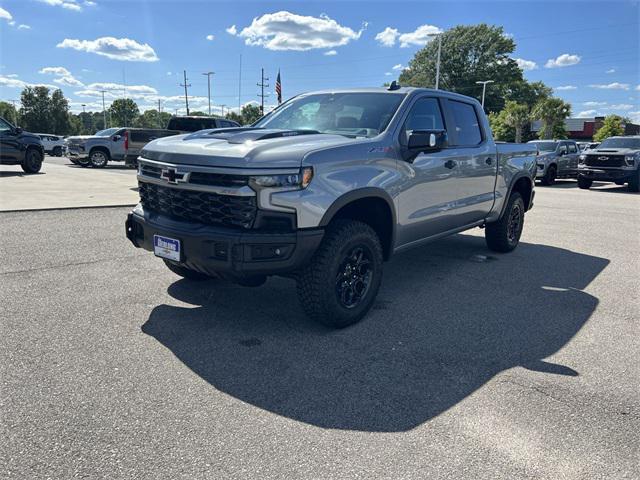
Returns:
<point x="523" y="184"/>
<point x="372" y="206"/>
<point x="101" y="148"/>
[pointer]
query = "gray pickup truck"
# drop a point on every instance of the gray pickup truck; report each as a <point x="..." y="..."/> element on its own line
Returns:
<point x="616" y="159"/>
<point x="557" y="159"/>
<point x="328" y="186"/>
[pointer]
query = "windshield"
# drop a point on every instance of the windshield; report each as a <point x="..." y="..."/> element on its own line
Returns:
<point x="107" y="133"/>
<point x="546" y="146"/>
<point x="349" y="114"/>
<point x="620" y="143"/>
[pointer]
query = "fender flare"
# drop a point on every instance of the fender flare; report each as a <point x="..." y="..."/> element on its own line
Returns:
<point x="513" y="182"/>
<point x="103" y="148"/>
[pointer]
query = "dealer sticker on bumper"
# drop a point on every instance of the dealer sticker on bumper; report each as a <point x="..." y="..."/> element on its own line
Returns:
<point x="166" y="247"/>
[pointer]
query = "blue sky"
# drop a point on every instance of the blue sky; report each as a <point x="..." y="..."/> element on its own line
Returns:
<point x="588" y="51"/>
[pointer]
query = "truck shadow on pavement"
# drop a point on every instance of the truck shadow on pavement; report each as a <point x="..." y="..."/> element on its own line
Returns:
<point x="449" y="317"/>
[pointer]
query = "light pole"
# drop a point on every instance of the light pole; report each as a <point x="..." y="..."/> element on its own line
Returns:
<point x="83" y="105"/>
<point x="208" y="74"/>
<point x="484" y="88"/>
<point x="104" y="113"/>
<point x="439" y="35"/>
<point x="222" y="115"/>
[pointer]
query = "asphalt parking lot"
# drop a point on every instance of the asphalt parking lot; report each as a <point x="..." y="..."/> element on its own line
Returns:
<point x="471" y="364"/>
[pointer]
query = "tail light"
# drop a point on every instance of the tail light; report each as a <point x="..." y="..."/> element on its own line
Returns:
<point x="126" y="140"/>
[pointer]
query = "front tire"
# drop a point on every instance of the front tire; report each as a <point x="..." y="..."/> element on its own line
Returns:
<point x="341" y="282"/>
<point x="550" y="176"/>
<point x="584" y="183"/>
<point x="504" y="235"/>
<point x="185" y="272"/>
<point x="57" y="152"/>
<point x="98" y="159"/>
<point x="32" y="162"/>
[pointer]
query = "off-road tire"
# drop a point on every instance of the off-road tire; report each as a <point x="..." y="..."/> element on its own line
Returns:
<point x="584" y="183"/>
<point x="498" y="235"/>
<point x="98" y="158"/>
<point x="83" y="161"/>
<point x="550" y="176"/>
<point x="634" y="182"/>
<point x="318" y="282"/>
<point x="57" y="151"/>
<point x="185" y="272"/>
<point x="32" y="162"/>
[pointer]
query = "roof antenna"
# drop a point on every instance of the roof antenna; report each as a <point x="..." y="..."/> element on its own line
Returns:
<point x="394" y="86"/>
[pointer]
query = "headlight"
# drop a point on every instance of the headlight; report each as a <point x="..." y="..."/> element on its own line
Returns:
<point x="294" y="181"/>
<point x="631" y="159"/>
<point x="582" y="158"/>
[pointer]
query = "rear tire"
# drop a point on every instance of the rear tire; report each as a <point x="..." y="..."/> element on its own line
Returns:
<point x="584" y="183"/>
<point x="550" y="177"/>
<point x="185" y="272"/>
<point x="634" y="183"/>
<point x="341" y="282"/>
<point x="504" y="235"/>
<point x="32" y="162"/>
<point x="99" y="159"/>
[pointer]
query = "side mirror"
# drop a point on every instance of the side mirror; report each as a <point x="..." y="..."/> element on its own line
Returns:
<point x="427" y="140"/>
<point x="18" y="130"/>
<point x="563" y="151"/>
<point x="115" y="138"/>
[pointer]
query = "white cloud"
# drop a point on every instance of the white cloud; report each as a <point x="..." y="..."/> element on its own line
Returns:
<point x="388" y="36"/>
<point x="594" y="104"/>
<point x="232" y="30"/>
<point x="54" y="71"/>
<point x="288" y="31"/>
<point x="24" y="26"/>
<point x="399" y="66"/>
<point x="621" y="106"/>
<point x="526" y="65"/>
<point x="420" y="37"/>
<point x="612" y="86"/>
<point x="563" y="60"/>
<point x="5" y="15"/>
<point x="635" y="116"/>
<point x="117" y="90"/>
<point x="211" y="37"/>
<point x="587" y="113"/>
<point x="12" y="81"/>
<point x="68" y="81"/>
<point x="115" y="48"/>
<point x="638" y="87"/>
<point x="388" y="74"/>
<point x="611" y="70"/>
<point x="330" y="53"/>
<point x="67" y="4"/>
<point x="565" y="87"/>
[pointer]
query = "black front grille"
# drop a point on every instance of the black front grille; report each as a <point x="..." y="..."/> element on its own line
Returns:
<point x="601" y="161"/>
<point x="201" y="207"/>
<point x="201" y="178"/>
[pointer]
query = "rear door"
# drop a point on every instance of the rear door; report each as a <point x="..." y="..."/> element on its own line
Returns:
<point x="573" y="152"/>
<point x="427" y="202"/>
<point x="476" y="160"/>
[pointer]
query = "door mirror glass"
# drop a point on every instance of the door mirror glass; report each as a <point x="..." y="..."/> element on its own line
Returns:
<point x="427" y="140"/>
<point x="17" y="130"/>
<point x="115" y="138"/>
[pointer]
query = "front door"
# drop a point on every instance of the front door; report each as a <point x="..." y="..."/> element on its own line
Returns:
<point x="427" y="202"/>
<point x="9" y="145"/>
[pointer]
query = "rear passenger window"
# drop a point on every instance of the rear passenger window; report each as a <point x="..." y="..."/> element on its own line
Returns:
<point x="572" y="148"/>
<point x="466" y="122"/>
<point x="425" y="115"/>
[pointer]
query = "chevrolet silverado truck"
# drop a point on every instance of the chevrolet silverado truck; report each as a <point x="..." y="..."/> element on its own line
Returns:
<point x="557" y="159"/>
<point x="617" y="159"/>
<point x="326" y="188"/>
<point x="18" y="147"/>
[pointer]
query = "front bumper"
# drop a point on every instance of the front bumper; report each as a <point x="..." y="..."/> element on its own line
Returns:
<point x="219" y="250"/>
<point x="606" y="175"/>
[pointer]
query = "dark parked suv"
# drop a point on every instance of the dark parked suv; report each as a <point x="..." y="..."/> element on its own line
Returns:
<point x="18" y="147"/>
<point x="617" y="160"/>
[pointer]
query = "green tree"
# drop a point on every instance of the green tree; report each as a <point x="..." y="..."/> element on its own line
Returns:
<point x="517" y="116"/>
<point x="151" y="119"/>
<point x="611" y="126"/>
<point x="500" y="128"/>
<point x="234" y="116"/>
<point x="552" y="112"/>
<point x="124" y="112"/>
<point x="470" y="53"/>
<point x="250" y="113"/>
<point x="9" y="112"/>
<point x="35" y="111"/>
<point x="197" y="113"/>
<point x="75" y="124"/>
<point x="59" y="113"/>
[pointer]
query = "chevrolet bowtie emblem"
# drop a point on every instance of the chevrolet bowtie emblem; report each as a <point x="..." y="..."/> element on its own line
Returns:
<point x="171" y="175"/>
<point x="603" y="158"/>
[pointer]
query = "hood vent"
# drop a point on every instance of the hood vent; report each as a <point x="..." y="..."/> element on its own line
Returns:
<point x="244" y="134"/>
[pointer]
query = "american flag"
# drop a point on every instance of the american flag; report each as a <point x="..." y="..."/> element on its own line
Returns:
<point x="279" y="88"/>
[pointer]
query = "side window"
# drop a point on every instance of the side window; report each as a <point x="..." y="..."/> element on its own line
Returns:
<point x="572" y="148"/>
<point x="466" y="122"/>
<point x="4" y="126"/>
<point x="424" y="115"/>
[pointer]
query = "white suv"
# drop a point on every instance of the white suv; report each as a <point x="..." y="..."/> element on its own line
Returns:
<point x="53" y="144"/>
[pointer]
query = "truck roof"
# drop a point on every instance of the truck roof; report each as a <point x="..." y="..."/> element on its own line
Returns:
<point x="398" y="90"/>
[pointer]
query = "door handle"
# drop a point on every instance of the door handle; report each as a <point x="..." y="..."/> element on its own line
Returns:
<point x="488" y="161"/>
<point x="449" y="164"/>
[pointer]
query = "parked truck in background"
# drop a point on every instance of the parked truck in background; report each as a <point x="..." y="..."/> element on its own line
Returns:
<point x="557" y="159"/>
<point x="53" y="144"/>
<point x="327" y="187"/>
<point x="616" y="159"/>
<point x="124" y="144"/>
<point x="18" y="147"/>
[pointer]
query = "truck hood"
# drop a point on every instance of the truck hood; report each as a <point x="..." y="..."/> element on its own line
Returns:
<point x="241" y="147"/>
<point x="612" y="151"/>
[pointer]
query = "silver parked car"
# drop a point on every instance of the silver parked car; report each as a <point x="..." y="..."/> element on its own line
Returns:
<point x="557" y="159"/>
